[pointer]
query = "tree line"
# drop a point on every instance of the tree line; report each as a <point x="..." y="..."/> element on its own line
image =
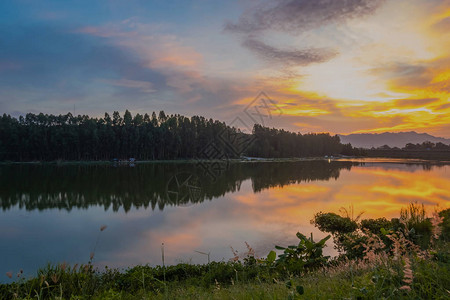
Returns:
<point x="424" y="146"/>
<point x="44" y="137"/>
<point x="272" y="142"/>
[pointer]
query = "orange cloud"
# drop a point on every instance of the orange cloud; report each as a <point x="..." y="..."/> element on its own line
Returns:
<point x="394" y="77"/>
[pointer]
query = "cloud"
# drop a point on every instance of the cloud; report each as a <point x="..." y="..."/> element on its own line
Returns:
<point x="414" y="102"/>
<point x="63" y="64"/>
<point x="424" y="77"/>
<point x="50" y="69"/>
<point x="117" y="65"/>
<point x="144" y="86"/>
<point x="157" y="49"/>
<point x="443" y="107"/>
<point x="300" y="57"/>
<point x="405" y="74"/>
<point x="296" y="16"/>
<point x="185" y="84"/>
<point x="443" y="25"/>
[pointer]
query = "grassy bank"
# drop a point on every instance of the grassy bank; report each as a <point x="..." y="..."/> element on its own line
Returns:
<point x="403" y="258"/>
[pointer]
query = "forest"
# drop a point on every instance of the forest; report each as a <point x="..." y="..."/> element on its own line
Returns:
<point x="44" y="137"/>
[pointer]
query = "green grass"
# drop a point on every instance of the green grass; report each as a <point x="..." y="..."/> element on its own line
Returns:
<point x="238" y="280"/>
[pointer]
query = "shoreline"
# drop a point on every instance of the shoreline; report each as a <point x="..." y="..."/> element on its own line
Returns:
<point x="236" y="160"/>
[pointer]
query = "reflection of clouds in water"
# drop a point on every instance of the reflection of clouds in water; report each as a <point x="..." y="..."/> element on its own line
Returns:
<point x="260" y="219"/>
<point x="383" y="192"/>
<point x="273" y="216"/>
<point x="270" y="216"/>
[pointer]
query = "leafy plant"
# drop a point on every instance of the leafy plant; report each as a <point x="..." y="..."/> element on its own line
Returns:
<point x="414" y="218"/>
<point x="307" y="254"/>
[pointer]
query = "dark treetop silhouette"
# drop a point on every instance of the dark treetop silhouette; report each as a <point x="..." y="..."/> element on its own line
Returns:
<point x="45" y="137"/>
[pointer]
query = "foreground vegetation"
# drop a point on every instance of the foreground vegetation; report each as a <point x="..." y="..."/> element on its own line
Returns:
<point x="403" y="258"/>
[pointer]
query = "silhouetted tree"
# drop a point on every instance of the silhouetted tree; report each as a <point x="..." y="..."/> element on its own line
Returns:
<point x="67" y="137"/>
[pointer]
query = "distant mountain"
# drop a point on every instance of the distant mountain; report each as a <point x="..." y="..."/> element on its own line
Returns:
<point x="392" y="139"/>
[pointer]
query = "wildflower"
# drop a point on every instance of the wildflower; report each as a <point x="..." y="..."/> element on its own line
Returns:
<point x="217" y="284"/>
<point x="92" y="255"/>
<point x="372" y="247"/>
<point x="408" y="275"/>
<point x="9" y="274"/>
<point x="436" y="221"/>
<point x="236" y="255"/>
<point x="63" y="266"/>
<point x="55" y="278"/>
<point x="251" y="251"/>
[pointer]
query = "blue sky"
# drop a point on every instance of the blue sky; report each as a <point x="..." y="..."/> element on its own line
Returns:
<point x="50" y="61"/>
<point x="340" y="66"/>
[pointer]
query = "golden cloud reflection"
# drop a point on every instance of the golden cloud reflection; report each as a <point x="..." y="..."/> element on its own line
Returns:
<point x="274" y="215"/>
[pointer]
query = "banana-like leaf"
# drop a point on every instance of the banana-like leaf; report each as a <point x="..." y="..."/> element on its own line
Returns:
<point x="301" y="236"/>
<point x="323" y="241"/>
<point x="271" y="256"/>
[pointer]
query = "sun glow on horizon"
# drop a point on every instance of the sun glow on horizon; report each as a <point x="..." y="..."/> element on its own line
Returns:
<point x="333" y="67"/>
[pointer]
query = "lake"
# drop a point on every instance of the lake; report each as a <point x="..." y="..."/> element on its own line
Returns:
<point x="53" y="212"/>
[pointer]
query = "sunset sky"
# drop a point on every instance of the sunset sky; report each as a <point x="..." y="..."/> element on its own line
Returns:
<point x="345" y="66"/>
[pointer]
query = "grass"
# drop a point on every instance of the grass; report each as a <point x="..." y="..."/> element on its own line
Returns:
<point x="346" y="281"/>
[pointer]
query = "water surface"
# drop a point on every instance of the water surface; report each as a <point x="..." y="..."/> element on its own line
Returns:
<point x="52" y="213"/>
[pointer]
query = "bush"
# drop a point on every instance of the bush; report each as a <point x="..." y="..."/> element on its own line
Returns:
<point x="375" y="225"/>
<point x="445" y="226"/>
<point x="334" y="224"/>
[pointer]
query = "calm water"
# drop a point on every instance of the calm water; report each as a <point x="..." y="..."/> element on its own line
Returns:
<point x="52" y="213"/>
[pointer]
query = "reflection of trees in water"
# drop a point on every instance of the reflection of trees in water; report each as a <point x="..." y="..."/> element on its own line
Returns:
<point x="80" y="186"/>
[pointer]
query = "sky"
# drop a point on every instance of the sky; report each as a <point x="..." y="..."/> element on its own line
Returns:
<point x="343" y="66"/>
